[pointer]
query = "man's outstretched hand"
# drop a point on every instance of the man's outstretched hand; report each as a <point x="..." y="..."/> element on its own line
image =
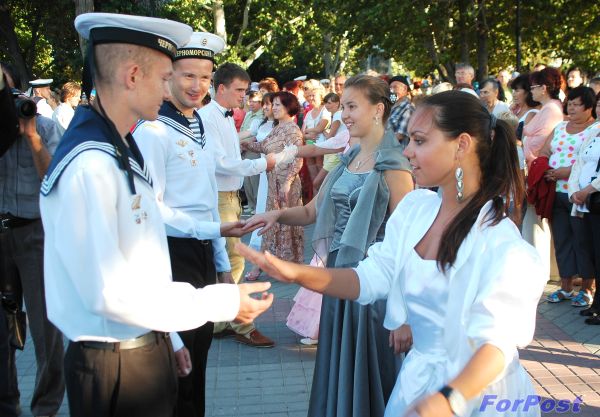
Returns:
<point x="251" y="307"/>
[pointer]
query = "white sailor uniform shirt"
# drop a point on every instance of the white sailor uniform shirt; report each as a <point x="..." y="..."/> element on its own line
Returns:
<point x="107" y="266"/>
<point x="222" y="137"/>
<point x="185" y="186"/>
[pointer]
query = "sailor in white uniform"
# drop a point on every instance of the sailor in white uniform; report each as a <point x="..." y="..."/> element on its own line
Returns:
<point x="183" y="173"/>
<point x="41" y="92"/>
<point x="108" y="274"/>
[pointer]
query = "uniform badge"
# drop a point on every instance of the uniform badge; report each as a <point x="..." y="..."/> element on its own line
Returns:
<point x="136" y="203"/>
<point x="191" y="153"/>
<point x="194" y="162"/>
<point x="181" y="143"/>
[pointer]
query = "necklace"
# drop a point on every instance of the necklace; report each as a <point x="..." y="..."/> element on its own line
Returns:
<point x="359" y="163"/>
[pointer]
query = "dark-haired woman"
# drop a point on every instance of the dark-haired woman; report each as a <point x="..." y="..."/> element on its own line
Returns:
<point x="545" y="89"/>
<point x="492" y="96"/>
<point x="284" y="188"/>
<point x="449" y="267"/>
<point x="573" y="256"/>
<point x="583" y="181"/>
<point x="355" y="368"/>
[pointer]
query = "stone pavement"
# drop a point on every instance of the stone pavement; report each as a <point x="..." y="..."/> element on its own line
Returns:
<point x="563" y="361"/>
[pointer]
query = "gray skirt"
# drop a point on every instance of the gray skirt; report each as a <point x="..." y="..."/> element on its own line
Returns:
<point x="355" y="369"/>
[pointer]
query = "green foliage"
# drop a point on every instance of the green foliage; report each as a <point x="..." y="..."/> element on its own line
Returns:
<point x="287" y="38"/>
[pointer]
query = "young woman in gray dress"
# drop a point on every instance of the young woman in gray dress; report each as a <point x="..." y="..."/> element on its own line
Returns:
<point x="355" y="368"/>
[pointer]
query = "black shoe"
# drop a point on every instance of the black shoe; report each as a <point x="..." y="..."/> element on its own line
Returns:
<point x="595" y="320"/>
<point x="589" y="312"/>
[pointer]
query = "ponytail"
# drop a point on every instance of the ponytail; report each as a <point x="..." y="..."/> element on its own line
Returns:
<point x="456" y="112"/>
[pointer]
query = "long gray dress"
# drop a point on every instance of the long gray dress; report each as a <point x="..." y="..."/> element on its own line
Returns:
<point x="355" y="369"/>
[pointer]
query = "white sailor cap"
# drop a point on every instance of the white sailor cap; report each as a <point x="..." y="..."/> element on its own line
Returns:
<point x="300" y="78"/>
<point x="41" y="82"/>
<point x="160" y="34"/>
<point x="202" y="45"/>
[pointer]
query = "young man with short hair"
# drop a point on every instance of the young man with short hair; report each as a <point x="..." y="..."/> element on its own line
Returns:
<point x="230" y="83"/>
<point x="109" y="287"/>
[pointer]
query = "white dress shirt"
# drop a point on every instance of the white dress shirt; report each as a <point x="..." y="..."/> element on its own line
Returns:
<point x="44" y="108"/>
<point x="107" y="267"/>
<point x="183" y="177"/>
<point x="62" y="116"/>
<point x="222" y="137"/>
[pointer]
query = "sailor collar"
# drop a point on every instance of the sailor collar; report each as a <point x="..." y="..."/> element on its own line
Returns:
<point x="89" y="131"/>
<point x="172" y="117"/>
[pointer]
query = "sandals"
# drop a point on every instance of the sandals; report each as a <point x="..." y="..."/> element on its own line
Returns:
<point x="559" y="295"/>
<point x="583" y="299"/>
<point x="252" y="275"/>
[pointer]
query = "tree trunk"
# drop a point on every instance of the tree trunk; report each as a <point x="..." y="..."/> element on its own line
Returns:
<point x="463" y="24"/>
<point x="7" y="31"/>
<point x="327" y="59"/>
<point x="482" y="35"/>
<point x="244" y="23"/>
<point x="219" y="19"/>
<point x="83" y="6"/>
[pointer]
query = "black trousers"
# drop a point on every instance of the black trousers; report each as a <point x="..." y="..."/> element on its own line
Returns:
<point x="139" y="382"/>
<point x="192" y="261"/>
<point x="22" y="275"/>
<point x="8" y="402"/>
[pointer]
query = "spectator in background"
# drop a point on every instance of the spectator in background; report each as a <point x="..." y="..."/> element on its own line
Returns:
<point x="464" y="73"/>
<point x="284" y="188"/>
<point x="524" y="108"/>
<point x="595" y="85"/>
<point x="268" y="85"/>
<point x="573" y="256"/>
<point x="402" y="108"/>
<point x="338" y="84"/>
<point x="315" y="122"/>
<point x="575" y="78"/>
<point x="503" y="78"/>
<point x="545" y="88"/>
<point x="42" y="96"/>
<point x="583" y="181"/>
<point x="441" y="87"/>
<point x="491" y="95"/>
<point x="70" y="94"/>
<point x="254" y="114"/>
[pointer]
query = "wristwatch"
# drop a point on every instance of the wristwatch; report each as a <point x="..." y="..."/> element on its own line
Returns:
<point x="458" y="403"/>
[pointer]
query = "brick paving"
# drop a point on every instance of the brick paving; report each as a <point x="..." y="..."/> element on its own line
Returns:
<point x="563" y="362"/>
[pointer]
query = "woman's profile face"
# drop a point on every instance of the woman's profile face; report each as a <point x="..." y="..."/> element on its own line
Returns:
<point x="577" y="111"/>
<point x="279" y="110"/>
<point x="519" y="96"/>
<point x="432" y="155"/>
<point x="267" y="108"/>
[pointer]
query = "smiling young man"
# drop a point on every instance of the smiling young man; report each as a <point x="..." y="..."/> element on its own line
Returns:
<point x="182" y="167"/>
<point x="108" y="273"/>
<point x="230" y="82"/>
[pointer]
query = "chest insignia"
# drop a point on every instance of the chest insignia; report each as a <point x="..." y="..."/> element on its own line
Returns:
<point x="136" y="203"/>
<point x="181" y="143"/>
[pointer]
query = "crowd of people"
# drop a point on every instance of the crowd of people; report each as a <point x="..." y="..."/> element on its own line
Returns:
<point x="121" y="221"/>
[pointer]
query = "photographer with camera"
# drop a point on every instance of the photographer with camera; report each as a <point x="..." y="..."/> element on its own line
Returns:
<point x="24" y="161"/>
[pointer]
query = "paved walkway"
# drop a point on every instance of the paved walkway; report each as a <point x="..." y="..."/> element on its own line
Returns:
<point x="563" y="361"/>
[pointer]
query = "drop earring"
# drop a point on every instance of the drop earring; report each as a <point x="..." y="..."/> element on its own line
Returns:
<point x="458" y="174"/>
<point x="376" y="121"/>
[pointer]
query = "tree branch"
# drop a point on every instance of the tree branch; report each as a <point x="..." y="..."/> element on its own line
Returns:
<point x="244" y="23"/>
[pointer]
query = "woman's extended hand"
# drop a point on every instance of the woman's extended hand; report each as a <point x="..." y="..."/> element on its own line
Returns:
<point x="401" y="339"/>
<point x="265" y="220"/>
<point x="434" y="405"/>
<point x="273" y="266"/>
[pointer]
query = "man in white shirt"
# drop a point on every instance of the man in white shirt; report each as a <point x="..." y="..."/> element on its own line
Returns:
<point x="182" y="167"/>
<point x="230" y="83"/>
<point x="69" y="99"/>
<point x="108" y="273"/>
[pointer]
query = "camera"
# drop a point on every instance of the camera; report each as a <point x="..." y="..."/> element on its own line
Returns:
<point x="25" y="107"/>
